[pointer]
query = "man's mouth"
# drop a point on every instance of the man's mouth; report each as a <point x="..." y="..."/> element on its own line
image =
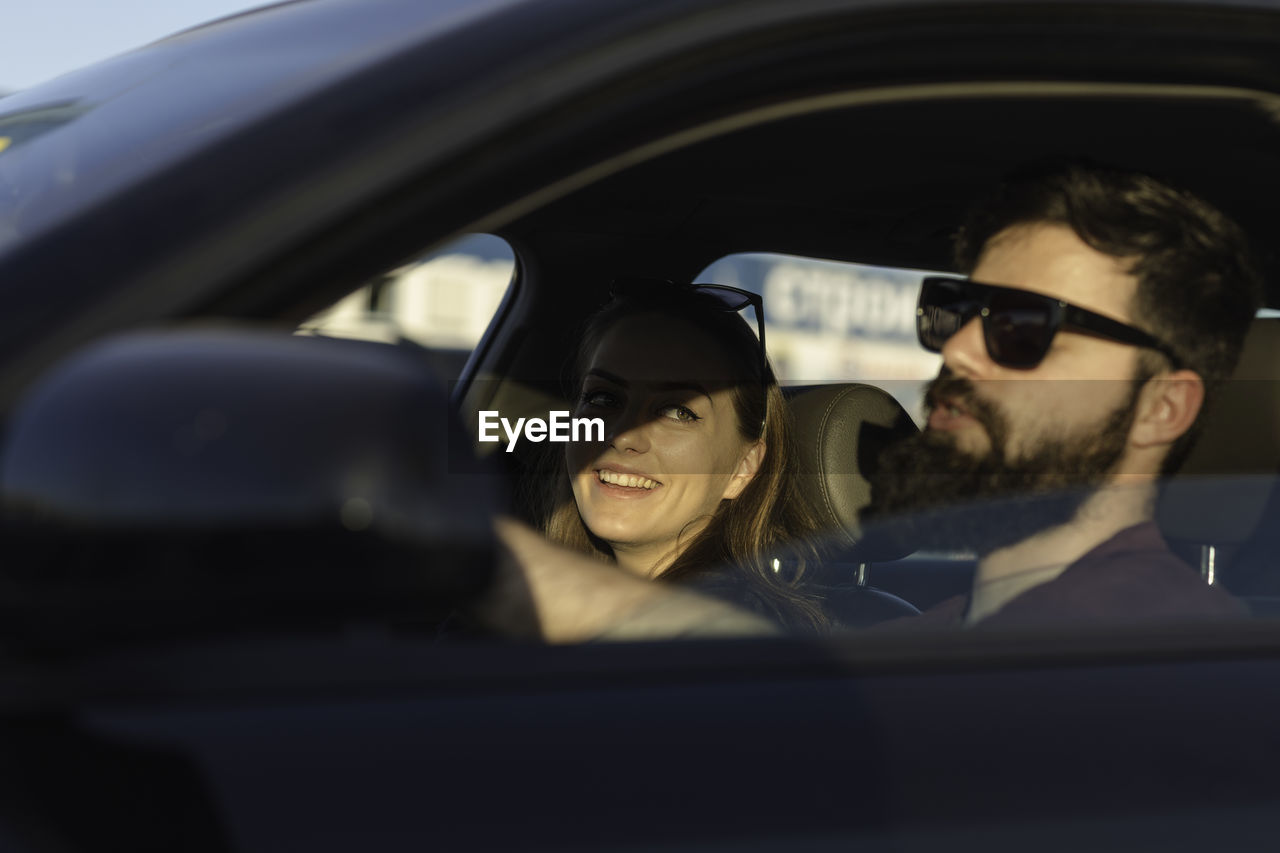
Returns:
<point x="949" y="396"/>
<point x="626" y="480"/>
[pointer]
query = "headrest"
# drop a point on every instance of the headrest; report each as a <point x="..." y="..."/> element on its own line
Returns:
<point x="1219" y="495"/>
<point x="840" y="431"/>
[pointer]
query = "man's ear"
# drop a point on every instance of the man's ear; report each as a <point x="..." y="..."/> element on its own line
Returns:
<point x="1167" y="407"/>
<point x="748" y="466"/>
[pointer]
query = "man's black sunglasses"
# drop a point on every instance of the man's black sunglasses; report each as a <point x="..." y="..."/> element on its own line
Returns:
<point x="1017" y="325"/>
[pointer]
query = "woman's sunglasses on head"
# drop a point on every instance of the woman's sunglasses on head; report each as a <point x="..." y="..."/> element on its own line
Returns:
<point x="734" y="299"/>
<point x="1017" y="325"/>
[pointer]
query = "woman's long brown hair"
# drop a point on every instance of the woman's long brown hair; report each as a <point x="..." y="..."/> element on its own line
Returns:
<point x="769" y="526"/>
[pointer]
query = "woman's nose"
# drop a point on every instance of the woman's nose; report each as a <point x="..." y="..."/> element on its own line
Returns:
<point x="629" y="432"/>
<point x="965" y="352"/>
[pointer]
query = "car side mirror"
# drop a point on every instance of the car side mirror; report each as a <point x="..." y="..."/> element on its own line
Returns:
<point x="167" y="483"/>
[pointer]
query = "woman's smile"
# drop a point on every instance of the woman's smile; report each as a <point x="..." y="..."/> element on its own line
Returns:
<point x="621" y="482"/>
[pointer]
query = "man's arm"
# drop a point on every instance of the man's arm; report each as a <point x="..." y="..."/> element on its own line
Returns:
<point x="548" y="592"/>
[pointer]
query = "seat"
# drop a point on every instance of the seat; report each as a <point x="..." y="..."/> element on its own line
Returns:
<point x="841" y="429"/>
<point x="1214" y="511"/>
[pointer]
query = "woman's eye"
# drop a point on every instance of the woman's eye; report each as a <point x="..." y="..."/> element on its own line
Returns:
<point x="598" y="399"/>
<point x="680" y="413"/>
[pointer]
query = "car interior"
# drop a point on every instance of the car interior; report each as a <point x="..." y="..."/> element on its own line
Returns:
<point x="883" y="180"/>
<point x="871" y="176"/>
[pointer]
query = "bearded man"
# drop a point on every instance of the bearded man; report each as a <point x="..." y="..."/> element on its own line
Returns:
<point x="1101" y="311"/>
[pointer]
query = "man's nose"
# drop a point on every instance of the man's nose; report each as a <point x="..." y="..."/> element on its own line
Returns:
<point x="629" y="432"/>
<point x="965" y="352"/>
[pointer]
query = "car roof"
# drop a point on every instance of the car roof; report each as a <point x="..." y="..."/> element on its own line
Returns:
<point x="887" y="182"/>
<point x="149" y="108"/>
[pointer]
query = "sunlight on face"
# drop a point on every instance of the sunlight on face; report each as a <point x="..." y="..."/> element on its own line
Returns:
<point x="672" y="449"/>
<point x="1082" y="378"/>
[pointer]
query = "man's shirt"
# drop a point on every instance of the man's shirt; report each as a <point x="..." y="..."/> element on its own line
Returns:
<point x="1131" y="577"/>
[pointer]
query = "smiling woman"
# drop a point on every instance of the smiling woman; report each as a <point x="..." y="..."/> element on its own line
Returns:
<point x="690" y="481"/>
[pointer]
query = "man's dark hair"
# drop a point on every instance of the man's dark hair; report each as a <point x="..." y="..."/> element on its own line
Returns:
<point x="1198" y="288"/>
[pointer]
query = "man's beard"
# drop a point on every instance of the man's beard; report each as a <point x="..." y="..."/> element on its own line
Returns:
<point x="934" y="496"/>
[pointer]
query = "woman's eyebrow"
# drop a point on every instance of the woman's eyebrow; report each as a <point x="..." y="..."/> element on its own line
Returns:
<point x="609" y="377"/>
<point x="679" y="385"/>
<point x="685" y="386"/>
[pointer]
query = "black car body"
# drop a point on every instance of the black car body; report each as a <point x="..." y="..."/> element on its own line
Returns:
<point x="252" y="171"/>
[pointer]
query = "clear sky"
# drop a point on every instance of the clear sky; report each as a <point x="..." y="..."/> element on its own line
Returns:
<point x="40" y="39"/>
